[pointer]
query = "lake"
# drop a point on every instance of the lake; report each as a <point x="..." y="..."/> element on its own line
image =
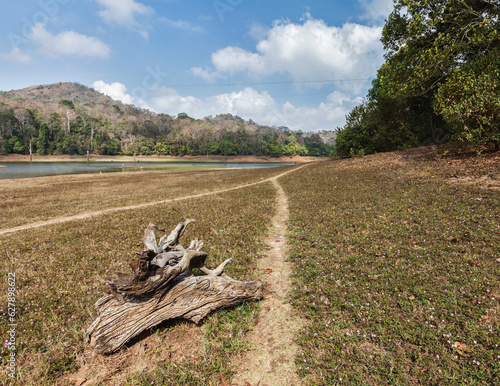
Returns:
<point x="39" y="169"/>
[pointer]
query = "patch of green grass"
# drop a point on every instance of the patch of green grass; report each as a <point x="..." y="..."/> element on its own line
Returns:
<point x="397" y="276"/>
<point x="172" y="167"/>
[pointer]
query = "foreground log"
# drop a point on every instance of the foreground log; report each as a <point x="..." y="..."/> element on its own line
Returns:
<point x="163" y="287"/>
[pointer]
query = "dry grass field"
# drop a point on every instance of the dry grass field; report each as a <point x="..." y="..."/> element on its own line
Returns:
<point x="396" y="267"/>
<point x="25" y="201"/>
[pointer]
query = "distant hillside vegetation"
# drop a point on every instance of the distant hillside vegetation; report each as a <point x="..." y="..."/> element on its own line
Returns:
<point x="69" y="118"/>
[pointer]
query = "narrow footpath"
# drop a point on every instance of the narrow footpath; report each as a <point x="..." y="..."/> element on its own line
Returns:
<point x="271" y="362"/>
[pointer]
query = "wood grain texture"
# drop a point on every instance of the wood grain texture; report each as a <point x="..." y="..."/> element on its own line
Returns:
<point x="163" y="287"/>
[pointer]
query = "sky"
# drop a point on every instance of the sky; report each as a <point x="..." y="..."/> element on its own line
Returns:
<point x="293" y="63"/>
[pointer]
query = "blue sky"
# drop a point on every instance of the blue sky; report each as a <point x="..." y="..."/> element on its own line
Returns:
<point x="301" y="64"/>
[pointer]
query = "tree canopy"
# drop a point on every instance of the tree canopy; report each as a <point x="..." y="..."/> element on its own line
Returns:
<point x="441" y="76"/>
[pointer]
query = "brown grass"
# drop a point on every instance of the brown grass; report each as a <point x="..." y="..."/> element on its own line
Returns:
<point x="25" y="201"/>
<point x="58" y="268"/>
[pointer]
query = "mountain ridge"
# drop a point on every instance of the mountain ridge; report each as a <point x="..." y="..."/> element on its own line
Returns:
<point x="80" y="114"/>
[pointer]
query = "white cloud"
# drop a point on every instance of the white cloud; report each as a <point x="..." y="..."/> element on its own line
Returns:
<point x="308" y="51"/>
<point x="258" y="106"/>
<point x="377" y="10"/>
<point x="207" y="75"/>
<point x="182" y="25"/>
<point x="247" y="103"/>
<point x="16" y="55"/>
<point x="116" y="90"/>
<point x="235" y="59"/>
<point x="68" y="43"/>
<point x="122" y="11"/>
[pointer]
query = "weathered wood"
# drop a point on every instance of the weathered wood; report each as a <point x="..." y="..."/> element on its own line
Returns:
<point x="163" y="287"/>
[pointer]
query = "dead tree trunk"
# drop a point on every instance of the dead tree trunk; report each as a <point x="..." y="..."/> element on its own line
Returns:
<point x="163" y="287"/>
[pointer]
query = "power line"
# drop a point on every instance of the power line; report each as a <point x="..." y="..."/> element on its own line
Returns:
<point x="269" y="83"/>
<point x="299" y="95"/>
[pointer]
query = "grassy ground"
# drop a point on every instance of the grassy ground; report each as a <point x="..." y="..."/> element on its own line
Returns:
<point x="24" y="201"/>
<point x="396" y="266"/>
<point x="57" y="279"/>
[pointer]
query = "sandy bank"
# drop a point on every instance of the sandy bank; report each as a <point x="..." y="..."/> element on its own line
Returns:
<point x="154" y="158"/>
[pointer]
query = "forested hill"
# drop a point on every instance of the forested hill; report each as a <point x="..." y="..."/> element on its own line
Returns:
<point x="70" y="118"/>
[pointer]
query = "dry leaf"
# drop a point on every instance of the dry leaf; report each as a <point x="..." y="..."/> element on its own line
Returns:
<point x="349" y="248"/>
<point x="485" y="318"/>
<point x="398" y="261"/>
<point x="78" y="381"/>
<point x="222" y="381"/>
<point x="495" y="295"/>
<point x="268" y="270"/>
<point x="454" y="240"/>
<point x="461" y="348"/>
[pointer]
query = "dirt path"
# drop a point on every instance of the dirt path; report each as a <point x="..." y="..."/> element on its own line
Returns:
<point x="82" y="216"/>
<point x="272" y="360"/>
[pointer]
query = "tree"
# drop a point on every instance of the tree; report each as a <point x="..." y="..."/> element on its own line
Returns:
<point x="67" y="104"/>
<point x="470" y="100"/>
<point x="18" y="147"/>
<point x="227" y="147"/>
<point x="42" y="141"/>
<point x="183" y="116"/>
<point x="212" y="147"/>
<point x="449" y="50"/>
<point x="426" y="40"/>
<point x="441" y="75"/>
<point x="25" y="118"/>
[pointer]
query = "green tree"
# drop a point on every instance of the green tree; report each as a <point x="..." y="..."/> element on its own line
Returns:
<point x="66" y="103"/>
<point x="42" y="141"/>
<point x="18" y="147"/>
<point x="470" y="100"/>
<point x="441" y="75"/>
<point x="212" y="147"/>
<point x="227" y="147"/>
<point x="426" y="40"/>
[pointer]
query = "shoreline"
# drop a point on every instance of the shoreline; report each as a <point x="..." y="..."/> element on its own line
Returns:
<point x="156" y="158"/>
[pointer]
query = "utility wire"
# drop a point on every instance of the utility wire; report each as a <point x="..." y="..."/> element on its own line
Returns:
<point x="268" y="83"/>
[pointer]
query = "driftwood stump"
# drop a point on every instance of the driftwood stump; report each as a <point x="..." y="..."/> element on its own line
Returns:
<point x="163" y="287"/>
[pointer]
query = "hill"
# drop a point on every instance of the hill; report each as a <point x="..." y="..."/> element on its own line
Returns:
<point x="70" y="118"/>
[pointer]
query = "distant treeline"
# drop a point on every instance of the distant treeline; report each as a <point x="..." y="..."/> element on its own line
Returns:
<point x="25" y="131"/>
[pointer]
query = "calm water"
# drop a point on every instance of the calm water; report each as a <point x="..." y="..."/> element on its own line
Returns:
<point x="39" y="169"/>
